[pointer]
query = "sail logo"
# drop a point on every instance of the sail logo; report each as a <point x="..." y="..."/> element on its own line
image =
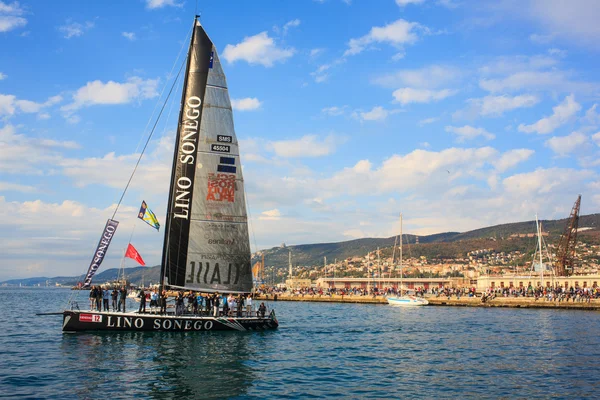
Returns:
<point x="187" y="156"/>
<point x="221" y="187"/>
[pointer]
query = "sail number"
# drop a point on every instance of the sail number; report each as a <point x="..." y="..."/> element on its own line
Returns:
<point x="224" y="139"/>
<point x="221" y="148"/>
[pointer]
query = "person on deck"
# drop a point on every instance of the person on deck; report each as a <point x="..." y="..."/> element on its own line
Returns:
<point x="249" y="305"/>
<point x="163" y="302"/>
<point x="262" y="309"/>
<point x="216" y="304"/>
<point x="142" y="297"/>
<point x="122" y="298"/>
<point x="115" y="297"/>
<point x="98" y="298"/>
<point x="92" y="297"/>
<point x="105" y="297"/>
<point x="153" y="301"/>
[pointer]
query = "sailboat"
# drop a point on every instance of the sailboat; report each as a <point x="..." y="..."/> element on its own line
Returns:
<point x="404" y="300"/>
<point x="206" y="247"/>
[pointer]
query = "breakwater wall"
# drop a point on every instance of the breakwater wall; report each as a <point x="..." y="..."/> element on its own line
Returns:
<point x="511" y="302"/>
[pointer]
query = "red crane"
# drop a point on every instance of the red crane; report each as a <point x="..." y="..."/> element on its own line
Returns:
<point x="565" y="253"/>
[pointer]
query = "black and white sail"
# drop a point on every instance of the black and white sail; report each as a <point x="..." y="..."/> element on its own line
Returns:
<point x="206" y="241"/>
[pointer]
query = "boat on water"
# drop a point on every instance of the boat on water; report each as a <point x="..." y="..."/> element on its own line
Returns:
<point x="404" y="299"/>
<point x="206" y="247"/>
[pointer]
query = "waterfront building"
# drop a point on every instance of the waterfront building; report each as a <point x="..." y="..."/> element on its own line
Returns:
<point x="381" y="283"/>
<point x="535" y="279"/>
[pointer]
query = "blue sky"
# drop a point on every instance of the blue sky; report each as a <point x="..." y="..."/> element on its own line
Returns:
<point x="459" y="114"/>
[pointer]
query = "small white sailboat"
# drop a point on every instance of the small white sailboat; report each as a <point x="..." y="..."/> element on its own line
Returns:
<point x="405" y="300"/>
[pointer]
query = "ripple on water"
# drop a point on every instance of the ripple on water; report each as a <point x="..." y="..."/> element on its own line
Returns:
<point x="321" y="350"/>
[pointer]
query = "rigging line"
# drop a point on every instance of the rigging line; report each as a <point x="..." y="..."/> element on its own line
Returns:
<point x="162" y="91"/>
<point x="148" y="140"/>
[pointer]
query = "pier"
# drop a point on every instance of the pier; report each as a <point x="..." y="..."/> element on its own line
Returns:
<point x="463" y="301"/>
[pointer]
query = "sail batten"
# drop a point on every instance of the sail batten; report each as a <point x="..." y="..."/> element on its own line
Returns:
<point x="208" y="247"/>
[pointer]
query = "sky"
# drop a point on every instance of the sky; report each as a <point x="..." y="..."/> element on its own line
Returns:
<point x="458" y="114"/>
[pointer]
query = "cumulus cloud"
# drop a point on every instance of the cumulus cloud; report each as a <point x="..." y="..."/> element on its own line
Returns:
<point x="246" y="104"/>
<point x="397" y="33"/>
<point x="257" y="49"/>
<point x="98" y="92"/>
<point x="412" y="95"/>
<point x="376" y="114"/>
<point x="562" y="113"/>
<point x="498" y="105"/>
<point x="468" y="132"/>
<point x="2" y="76"/>
<point x="430" y="77"/>
<point x="334" y="111"/>
<point x="129" y="35"/>
<point x="563" y="145"/>
<point x="403" y="3"/>
<point x="154" y="4"/>
<point x="512" y="158"/>
<point x="306" y="146"/>
<point x="596" y="138"/>
<point x="271" y="215"/>
<point x="75" y="29"/>
<point x="10" y="16"/>
<point x="10" y="105"/>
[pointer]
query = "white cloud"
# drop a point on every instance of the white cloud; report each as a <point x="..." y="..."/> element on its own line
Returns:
<point x="577" y="20"/>
<point x="316" y="52"/>
<point x="154" y="4"/>
<point x="543" y="182"/>
<point x="306" y="146"/>
<point x="129" y="35"/>
<point x="3" y="76"/>
<point x="428" y="121"/>
<point x="497" y="105"/>
<point x="334" y="111"/>
<point x="403" y="3"/>
<point x="541" y="39"/>
<point x="563" y="145"/>
<point x="246" y="104"/>
<point x="378" y="113"/>
<point x="411" y="95"/>
<point x="592" y="116"/>
<point x="468" y="132"/>
<point x="511" y="158"/>
<point x="10" y="16"/>
<point x="396" y="33"/>
<point x="111" y="92"/>
<point x="9" y="105"/>
<point x="596" y="138"/>
<point x="562" y="113"/>
<point x="257" y="49"/>
<point x="75" y="29"/>
<point x="15" y="187"/>
<point x="272" y="215"/>
<point x="430" y="77"/>
<point x="291" y="24"/>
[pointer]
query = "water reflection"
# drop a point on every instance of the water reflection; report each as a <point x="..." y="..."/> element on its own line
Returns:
<point x="156" y="364"/>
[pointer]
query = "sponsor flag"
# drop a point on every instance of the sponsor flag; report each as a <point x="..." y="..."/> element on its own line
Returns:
<point x="134" y="255"/>
<point x="107" y="235"/>
<point x="148" y="216"/>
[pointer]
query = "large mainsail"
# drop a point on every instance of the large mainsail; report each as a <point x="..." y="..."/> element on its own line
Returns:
<point x="206" y="241"/>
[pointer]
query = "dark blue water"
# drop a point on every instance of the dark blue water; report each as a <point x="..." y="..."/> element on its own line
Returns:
<point x="320" y="350"/>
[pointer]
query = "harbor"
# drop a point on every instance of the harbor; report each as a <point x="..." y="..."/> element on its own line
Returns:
<point x="453" y="301"/>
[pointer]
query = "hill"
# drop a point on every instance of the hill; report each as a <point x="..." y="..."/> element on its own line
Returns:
<point x="442" y="246"/>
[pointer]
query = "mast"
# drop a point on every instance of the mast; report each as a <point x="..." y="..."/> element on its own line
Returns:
<point x="539" y="234"/>
<point x="400" y="255"/>
<point x="290" y="264"/>
<point x="163" y="263"/>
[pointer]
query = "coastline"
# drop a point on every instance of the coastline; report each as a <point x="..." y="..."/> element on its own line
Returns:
<point x="464" y="301"/>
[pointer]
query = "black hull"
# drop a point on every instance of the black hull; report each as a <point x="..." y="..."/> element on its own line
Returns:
<point x="76" y="321"/>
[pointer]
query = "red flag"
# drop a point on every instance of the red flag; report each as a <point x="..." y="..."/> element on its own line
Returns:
<point x="134" y="255"/>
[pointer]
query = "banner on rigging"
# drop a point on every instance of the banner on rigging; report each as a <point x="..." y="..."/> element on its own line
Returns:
<point x="101" y="249"/>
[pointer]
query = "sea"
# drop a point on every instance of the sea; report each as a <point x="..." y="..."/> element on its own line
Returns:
<point x="321" y="350"/>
